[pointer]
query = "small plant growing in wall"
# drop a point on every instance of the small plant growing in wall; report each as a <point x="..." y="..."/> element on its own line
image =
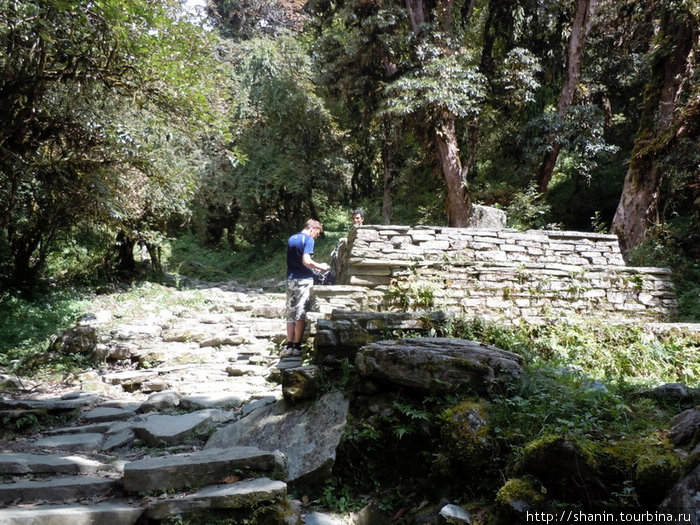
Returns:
<point x="411" y="296"/>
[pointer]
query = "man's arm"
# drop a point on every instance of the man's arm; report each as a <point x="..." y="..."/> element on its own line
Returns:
<point x="307" y="261"/>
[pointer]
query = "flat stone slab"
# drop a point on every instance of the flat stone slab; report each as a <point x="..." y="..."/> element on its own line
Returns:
<point x="112" y="514"/>
<point x="90" y="441"/>
<point x="50" y="405"/>
<point x="55" y="490"/>
<point x="214" y="400"/>
<point x="103" y="413"/>
<point x="118" y="439"/>
<point x="233" y="496"/>
<point x="19" y="463"/>
<point x="91" y="428"/>
<point x="130" y="379"/>
<point x="156" y="429"/>
<point x="193" y="469"/>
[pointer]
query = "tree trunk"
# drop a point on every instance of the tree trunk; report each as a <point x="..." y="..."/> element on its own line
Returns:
<point x="457" y="201"/>
<point x="640" y="192"/>
<point x="125" y="252"/>
<point x="579" y="32"/>
<point x="155" y="253"/>
<point x="387" y="197"/>
<point x="24" y="273"/>
<point x="390" y="138"/>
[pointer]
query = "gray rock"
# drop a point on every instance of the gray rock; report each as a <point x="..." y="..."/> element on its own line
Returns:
<point x="50" y="404"/>
<point x="156" y="385"/>
<point x="268" y="311"/>
<point x="299" y="383"/>
<point x="213" y="400"/>
<point x="55" y="490"/>
<point x="669" y="391"/>
<point x="487" y="217"/>
<point x="160" y="401"/>
<point x="455" y="514"/>
<point x="318" y="518"/>
<point x="18" y="463"/>
<point x="224" y="340"/>
<point x="118" y="439"/>
<point x="245" y="370"/>
<point x="157" y="429"/>
<point x="289" y="362"/>
<point x="114" y="514"/>
<point x="195" y="333"/>
<point x="685" y="497"/>
<point x="684" y="427"/>
<point x="294" y="430"/>
<point x="80" y="339"/>
<point x="231" y="496"/>
<point x="213" y="465"/>
<point x="83" y="442"/>
<point x="130" y="380"/>
<point x="93" y="428"/>
<point x="437" y="363"/>
<point x="103" y="414"/>
<point x="258" y="403"/>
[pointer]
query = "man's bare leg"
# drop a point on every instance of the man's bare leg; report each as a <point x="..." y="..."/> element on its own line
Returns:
<point x="298" y="331"/>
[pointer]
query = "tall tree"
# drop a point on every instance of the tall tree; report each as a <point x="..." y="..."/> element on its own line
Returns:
<point x="580" y="28"/>
<point x="72" y="75"/>
<point x="289" y="150"/>
<point x="668" y="112"/>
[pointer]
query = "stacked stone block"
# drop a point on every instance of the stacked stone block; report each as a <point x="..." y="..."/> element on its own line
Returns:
<point x="494" y="274"/>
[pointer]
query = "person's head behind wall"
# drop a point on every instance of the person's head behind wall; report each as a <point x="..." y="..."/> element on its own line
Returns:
<point x="357" y="217"/>
<point x="313" y="228"/>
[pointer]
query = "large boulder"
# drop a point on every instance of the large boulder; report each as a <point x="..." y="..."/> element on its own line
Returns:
<point x="307" y="433"/>
<point x="438" y="364"/>
<point x="81" y="339"/>
<point x="567" y="470"/>
<point x="685" y="498"/>
<point x="685" y="428"/>
<point x="487" y="217"/>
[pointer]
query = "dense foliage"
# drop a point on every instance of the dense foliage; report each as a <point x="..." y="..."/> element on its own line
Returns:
<point x="101" y="103"/>
<point x="125" y="124"/>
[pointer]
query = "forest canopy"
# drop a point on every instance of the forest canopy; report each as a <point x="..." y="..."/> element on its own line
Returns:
<point x="132" y="123"/>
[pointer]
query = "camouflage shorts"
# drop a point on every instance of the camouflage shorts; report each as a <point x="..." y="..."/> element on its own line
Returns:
<point x="298" y="293"/>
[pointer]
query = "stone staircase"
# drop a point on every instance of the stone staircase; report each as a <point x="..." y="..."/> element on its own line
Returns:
<point x="130" y="448"/>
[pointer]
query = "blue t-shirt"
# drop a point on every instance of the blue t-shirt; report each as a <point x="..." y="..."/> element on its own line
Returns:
<point x="297" y="245"/>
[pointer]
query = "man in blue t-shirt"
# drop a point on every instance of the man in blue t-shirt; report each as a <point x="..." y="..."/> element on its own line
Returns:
<point x="300" y="279"/>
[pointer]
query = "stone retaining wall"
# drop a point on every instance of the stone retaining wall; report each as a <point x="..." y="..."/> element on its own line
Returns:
<point x="494" y="274"/>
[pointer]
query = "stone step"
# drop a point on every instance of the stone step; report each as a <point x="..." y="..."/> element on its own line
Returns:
<point x="157" y="429"/>
<point x="89" y="442"/>
<point x="63" y="404"/>
<point x="21" y="463"/>
<point x="57" y="490"/>
<point x="112" y="514"/>
<point x="232" y="496"/>
<point x="205" y="467"/>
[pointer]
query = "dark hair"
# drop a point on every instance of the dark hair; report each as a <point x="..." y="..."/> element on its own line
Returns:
<point x="358" y="212"/>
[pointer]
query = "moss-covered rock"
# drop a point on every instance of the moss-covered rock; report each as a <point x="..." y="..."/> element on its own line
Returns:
<point x="518" y="497"/>
<point x="565" y="467"/>
<point x="656" y="473"/>
<point x="465" y="432"/>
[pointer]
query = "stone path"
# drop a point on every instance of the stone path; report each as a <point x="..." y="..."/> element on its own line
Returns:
<point x="131" y="448"/>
